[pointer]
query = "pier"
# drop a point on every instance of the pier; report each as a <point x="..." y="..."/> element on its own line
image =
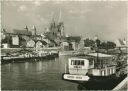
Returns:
<point x="123" y="85"/>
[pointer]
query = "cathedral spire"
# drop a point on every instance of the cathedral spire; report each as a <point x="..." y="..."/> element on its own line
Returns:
<point x="35" y="32"/>
<point x="59" y="19"/>
<point x="26" y="27"/>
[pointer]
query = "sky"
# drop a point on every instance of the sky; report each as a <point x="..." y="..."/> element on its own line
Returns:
<point x="107" y="20"/>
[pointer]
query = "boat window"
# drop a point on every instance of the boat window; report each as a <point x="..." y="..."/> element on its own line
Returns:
<point x="77" y="62"/>
<point x="90" y="62"/>
<point x="82" y="62"/>
<point x="72" y="62"/>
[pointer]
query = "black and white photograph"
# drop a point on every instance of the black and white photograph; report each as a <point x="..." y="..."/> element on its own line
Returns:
<point x="64" y="45"/>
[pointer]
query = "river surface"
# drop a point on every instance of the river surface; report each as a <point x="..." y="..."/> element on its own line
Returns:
<point x="41" y="75"/>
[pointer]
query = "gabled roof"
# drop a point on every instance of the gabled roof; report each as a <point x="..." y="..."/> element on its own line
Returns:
<point x="72" y="38"/>
<point x="43" y="42"/>
<point x="23" y="31"/>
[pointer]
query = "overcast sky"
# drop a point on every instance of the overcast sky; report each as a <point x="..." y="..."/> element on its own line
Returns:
<point x="105" y="19"/>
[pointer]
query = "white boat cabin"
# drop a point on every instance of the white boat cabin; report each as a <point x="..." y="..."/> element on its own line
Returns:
<point x="79" y="66"/>
<point x="95" y="64"/>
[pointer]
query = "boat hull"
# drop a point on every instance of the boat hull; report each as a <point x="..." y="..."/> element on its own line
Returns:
<point x="97" y="82"/>
<point x="101" y="83"/>
<point x="75" y="77"/>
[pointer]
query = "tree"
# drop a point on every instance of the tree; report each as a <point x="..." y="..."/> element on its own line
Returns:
<point x="98" y="43"/>
<point x="103" y="45"/>
<point x="89" y="43"/>
<point x="7" y="39"/>
<point x="107" y="45"/>
<point x="111" y="45"/>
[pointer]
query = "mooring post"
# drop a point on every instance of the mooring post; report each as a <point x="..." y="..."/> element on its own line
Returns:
<point x="65" y="68"/>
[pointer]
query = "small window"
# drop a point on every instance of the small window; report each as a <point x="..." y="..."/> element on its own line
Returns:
<point x="75" y="63"/>
<point x="82" y="62"/>
<point x="78" y="62"/>
<point x="90" y="62"/>
<point x="72" y="62"/>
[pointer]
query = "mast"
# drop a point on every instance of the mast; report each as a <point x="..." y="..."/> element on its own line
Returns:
<point x="97" y="53"/>
<point x="60" y="21"/>
<point x="97" y="50"/>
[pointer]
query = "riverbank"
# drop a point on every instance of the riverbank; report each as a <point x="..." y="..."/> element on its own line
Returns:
<point x="27" y="54"/>
<point x="11" y="50"/>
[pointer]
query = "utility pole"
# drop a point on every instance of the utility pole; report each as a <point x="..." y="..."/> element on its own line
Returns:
<point x="97" y="50"/>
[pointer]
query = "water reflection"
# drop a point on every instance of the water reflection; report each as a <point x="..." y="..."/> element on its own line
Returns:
<point x="39" y="66"/>
<point x="45" y="74"/>
<point x="26" y="65"/>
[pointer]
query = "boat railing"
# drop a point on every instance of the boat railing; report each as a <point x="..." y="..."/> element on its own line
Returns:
<point x="104" y="66"/>
<point x="66" y="69"/>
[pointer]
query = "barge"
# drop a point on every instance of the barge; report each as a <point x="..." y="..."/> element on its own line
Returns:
<point x="27" y="57"/>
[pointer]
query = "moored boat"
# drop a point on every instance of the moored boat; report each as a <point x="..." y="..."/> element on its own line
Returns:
<point x="82" y="68"/>
<point x="23" y="57"/>
<point x="95" y="71"/>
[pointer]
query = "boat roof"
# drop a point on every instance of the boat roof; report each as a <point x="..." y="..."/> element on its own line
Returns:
<point x="94" y="55"/>
<point x="99" y="55"/>
<point x="80" y="57"/>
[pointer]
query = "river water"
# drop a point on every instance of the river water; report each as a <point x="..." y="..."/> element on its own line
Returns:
<point x="41" y="75"/>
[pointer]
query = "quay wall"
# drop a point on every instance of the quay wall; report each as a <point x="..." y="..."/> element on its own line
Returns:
<point x="8" y="50"/>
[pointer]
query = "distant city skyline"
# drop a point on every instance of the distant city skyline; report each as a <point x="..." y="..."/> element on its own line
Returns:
<point x="107" y="20"/>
